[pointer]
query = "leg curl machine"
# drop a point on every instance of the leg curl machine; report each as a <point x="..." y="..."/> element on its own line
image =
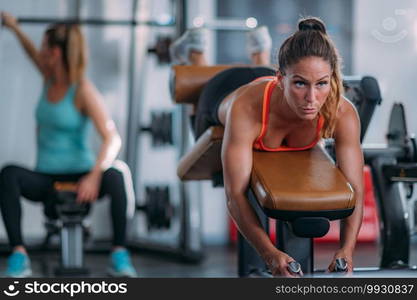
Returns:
<point x="303" y="199"/>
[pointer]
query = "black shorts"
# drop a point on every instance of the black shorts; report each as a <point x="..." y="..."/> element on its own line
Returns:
<point x="218" y="88"/>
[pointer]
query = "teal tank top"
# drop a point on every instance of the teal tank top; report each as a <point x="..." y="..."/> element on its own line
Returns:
<point x="63" y="134"/>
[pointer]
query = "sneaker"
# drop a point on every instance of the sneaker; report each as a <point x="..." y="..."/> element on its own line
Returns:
<point x="120" y="264"/>
<point x="258" y="40"/>
<point x="194" y="39"/>
<point x="18" y="265"/>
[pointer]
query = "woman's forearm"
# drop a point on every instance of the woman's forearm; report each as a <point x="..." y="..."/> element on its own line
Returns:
<point x="108" y="152"/>
<point x="350" y="226"/>
<point x="249" y="225"/>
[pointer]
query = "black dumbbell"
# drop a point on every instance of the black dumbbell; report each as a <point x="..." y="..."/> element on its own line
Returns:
<point x="160" y="129"/>
<point x="294" y="267"/>
<point x="341" y="265"/>
<point x="161" y="49"/>
<point x="157" y="207"/>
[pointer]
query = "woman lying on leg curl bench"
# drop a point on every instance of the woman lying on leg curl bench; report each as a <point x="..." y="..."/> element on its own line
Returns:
<point x="288" y="110"/>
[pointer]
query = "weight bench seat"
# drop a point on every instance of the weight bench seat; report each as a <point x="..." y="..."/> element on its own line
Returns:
<point x="296" y="184"/>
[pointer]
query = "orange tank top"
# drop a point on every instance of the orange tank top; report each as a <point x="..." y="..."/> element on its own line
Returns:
<point x="258" y="144"/>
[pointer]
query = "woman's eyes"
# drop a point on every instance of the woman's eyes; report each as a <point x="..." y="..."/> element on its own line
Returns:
<point x="302" y="83"/>
<point x="299" y="83"/>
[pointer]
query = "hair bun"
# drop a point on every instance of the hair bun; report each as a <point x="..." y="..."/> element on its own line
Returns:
<point x="312" y="24"/>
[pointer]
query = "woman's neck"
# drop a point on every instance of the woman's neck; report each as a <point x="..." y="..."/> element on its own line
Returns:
<point x="59" y="76"/>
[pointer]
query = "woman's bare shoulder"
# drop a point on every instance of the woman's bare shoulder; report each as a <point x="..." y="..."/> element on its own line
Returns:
<point x="84" y="85"/>
<point x="348" y="121"/>
<point x="346" y="108"/>
<point x="250" y="95"/>
<point x="87" y="95"/>
<point x="246" y="103"/>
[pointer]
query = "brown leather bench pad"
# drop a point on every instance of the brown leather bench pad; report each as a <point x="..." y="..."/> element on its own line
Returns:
<point x="299" y="181"/>
<point x="294" y="181"/>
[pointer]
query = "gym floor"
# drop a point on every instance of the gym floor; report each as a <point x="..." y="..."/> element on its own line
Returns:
<point x="220" y="261"/>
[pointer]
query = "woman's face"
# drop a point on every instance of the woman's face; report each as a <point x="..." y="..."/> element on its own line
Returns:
<point x="306" y="86"/>
<point x="48" y="55"/>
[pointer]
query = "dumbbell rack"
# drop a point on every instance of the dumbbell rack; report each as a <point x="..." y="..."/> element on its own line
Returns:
<point x="186" y="211"/>
<point x="172" y="218"/>
<point x="167" y="218"/>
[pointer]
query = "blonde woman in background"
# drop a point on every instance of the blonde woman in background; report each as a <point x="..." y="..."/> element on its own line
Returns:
<point x="67" y="105"/>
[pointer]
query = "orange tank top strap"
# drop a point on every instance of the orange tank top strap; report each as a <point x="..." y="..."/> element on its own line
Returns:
<point x="269" y="88"/>
<point x="265" y="77"/>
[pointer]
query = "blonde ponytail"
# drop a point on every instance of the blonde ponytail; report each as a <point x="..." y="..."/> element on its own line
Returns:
<point x="70" y="39"/>
<point x="76" y="54"/>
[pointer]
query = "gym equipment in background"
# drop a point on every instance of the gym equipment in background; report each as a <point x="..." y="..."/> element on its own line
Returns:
<point x="394" y="168"/>
<point x="160" y="128"/>
<point x="70" y="215"/>
<point x="158" y="209"/>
